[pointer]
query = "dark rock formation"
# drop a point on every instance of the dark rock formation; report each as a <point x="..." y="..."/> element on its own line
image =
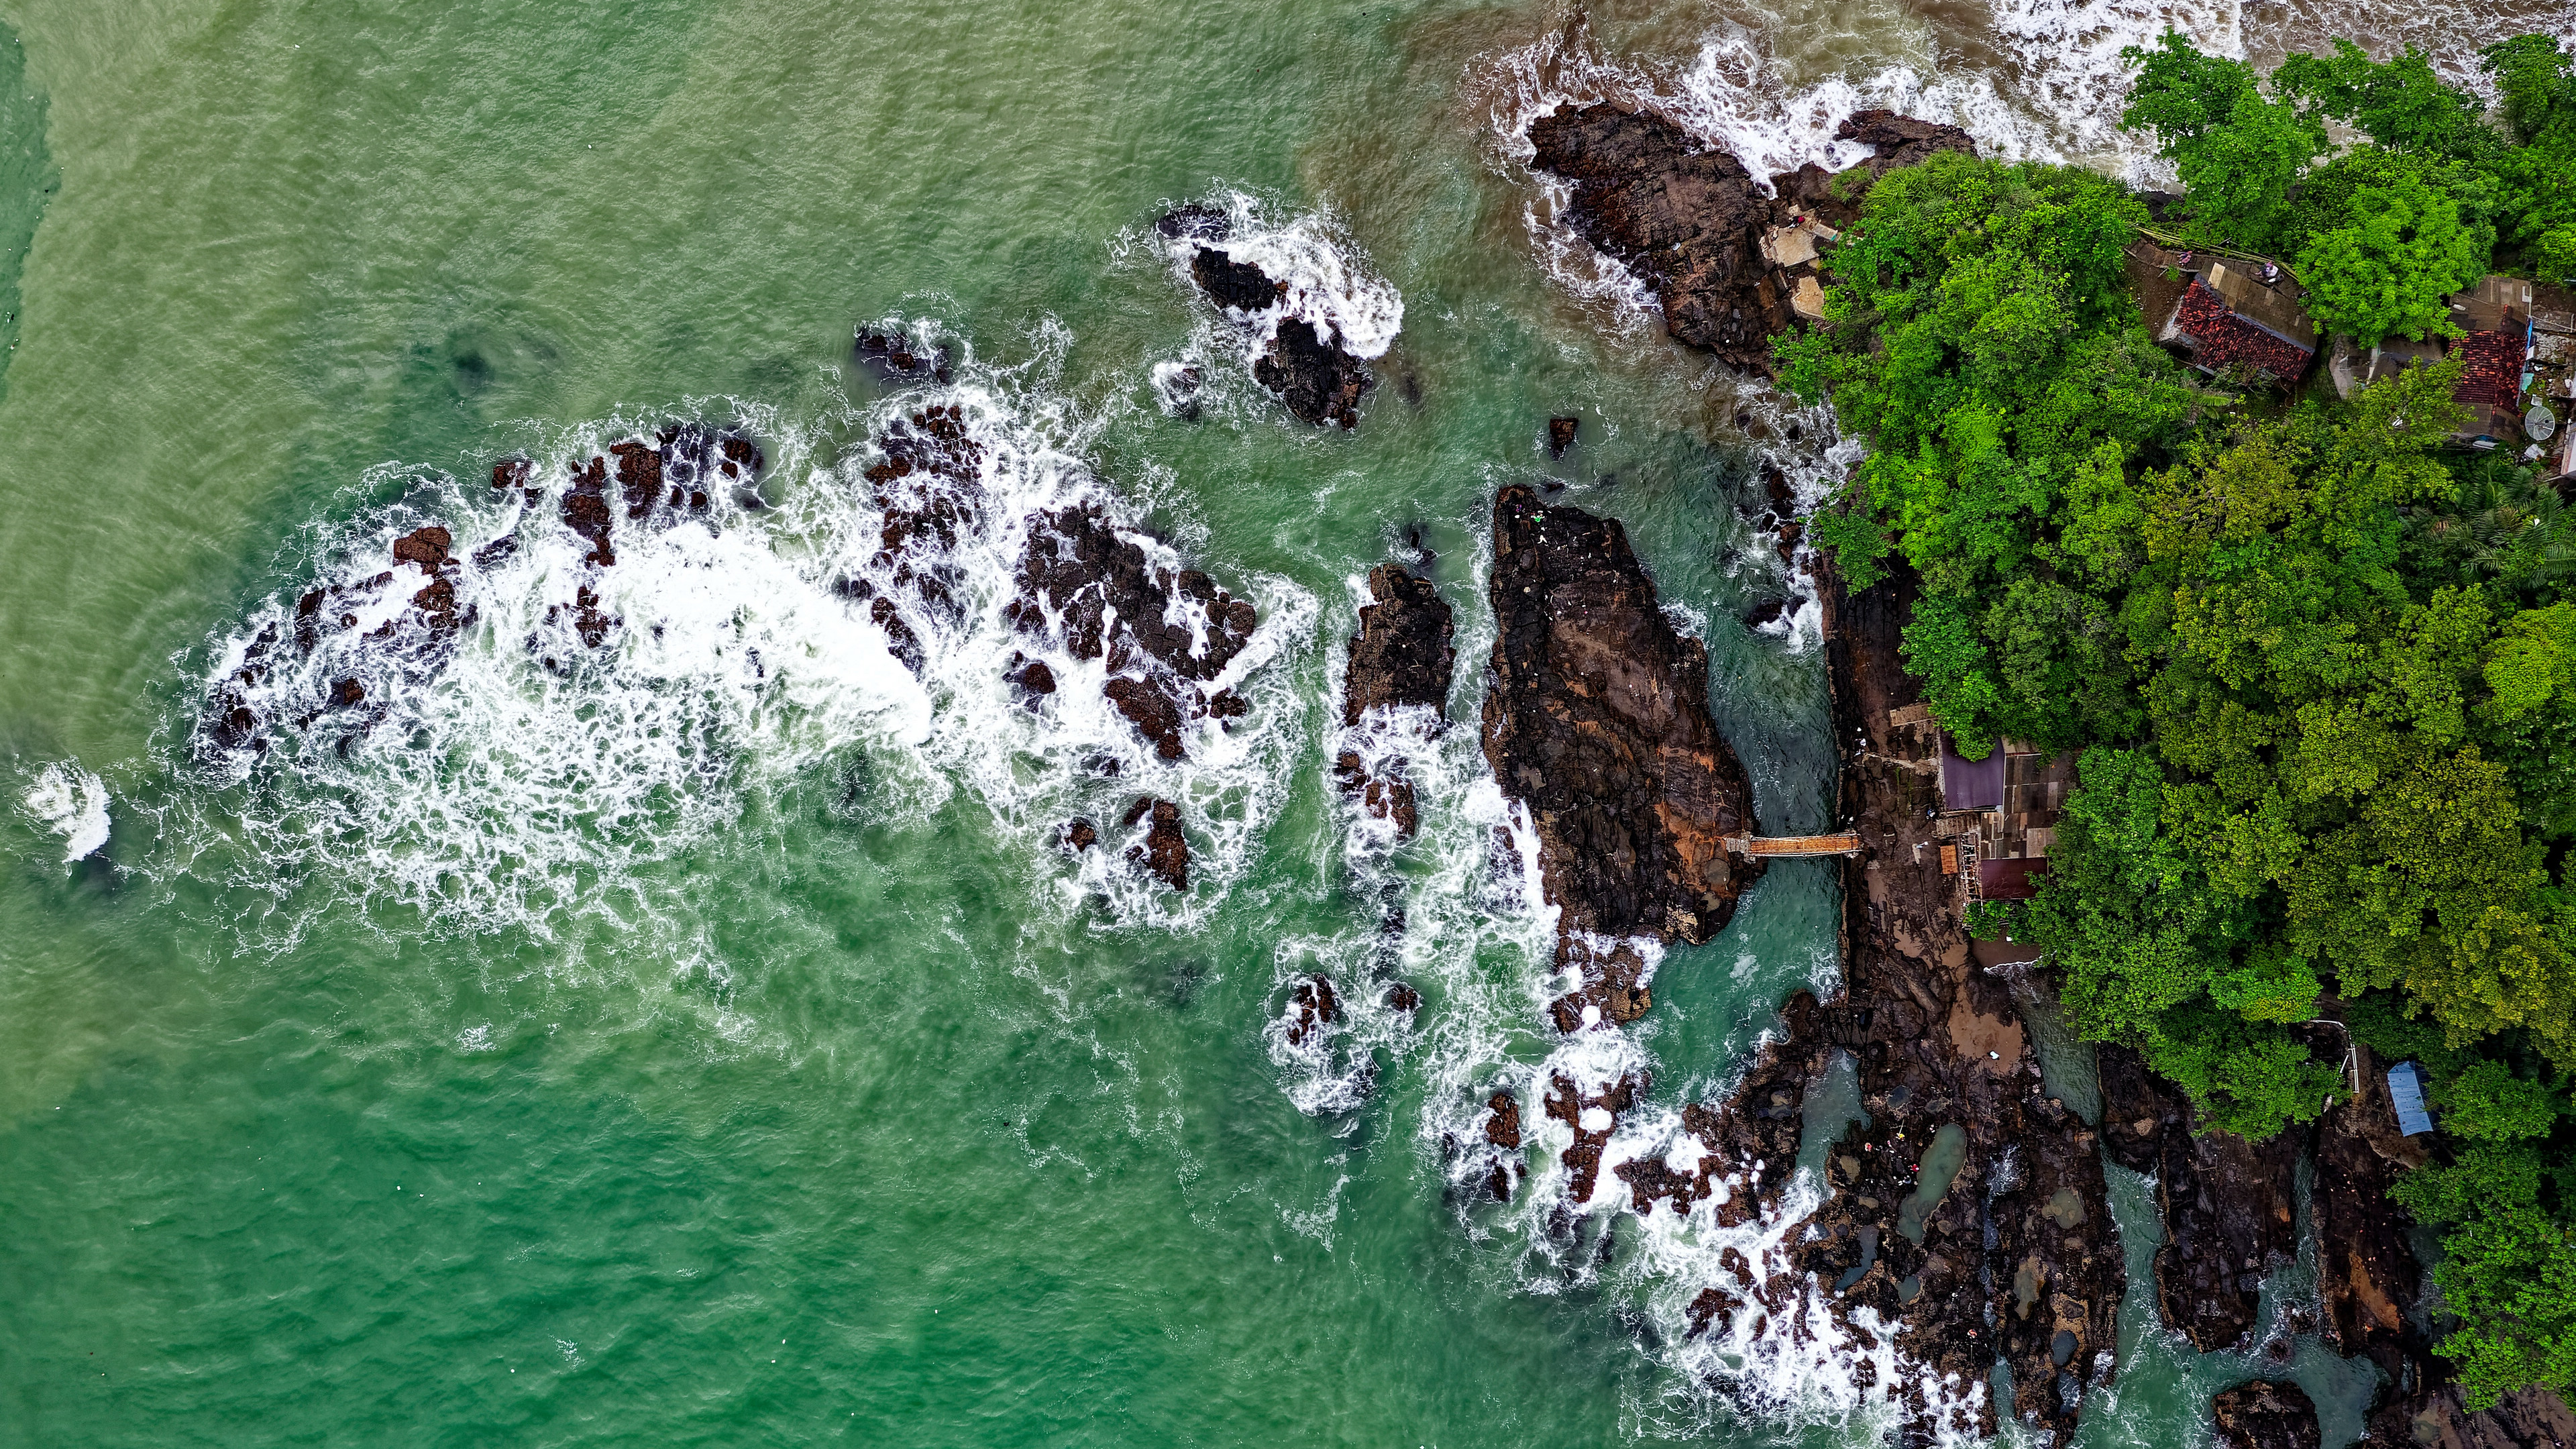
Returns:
<point x="1402" y="654"/>
<point x="1568" y="1104"/>
<point x="1404" y="998"/>
<point x="1080" y="835"/>
<point x="1195" y="221"/>
<point x="1689" y="220"/>
<point x="2225" y="1201"/>
<point x="1083" y="580"/>
<point x="1686" y="219"/>
<point x="1597" y="720"/>
<point x="1239" y="285"/>
<point x="1304" y="363"/>
<point x="1311" y="1008"/>
<point x="2440" y="1419"/>
<point x="1165" y="851"/>
<point x="1318" y="381"/>
<point x="1560" y="435"/>
<point x="896" y="357"/>
<point x="2015" y="1256"/>
<point x="1503" y="1126"/>
<point x="2264" y="1415"/>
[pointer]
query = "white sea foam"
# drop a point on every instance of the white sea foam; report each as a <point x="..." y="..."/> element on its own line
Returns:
<point x="72" y="803"/>
<point x="515" y="775"/>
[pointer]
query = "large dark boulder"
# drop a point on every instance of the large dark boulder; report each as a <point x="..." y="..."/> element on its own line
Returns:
<point x="1597" y="720"/>
<point x="2264" y="1415"/>
<point x="1401" y="654"/>
<point x="1687" y="219"/>
<point x="1318" y="381"/>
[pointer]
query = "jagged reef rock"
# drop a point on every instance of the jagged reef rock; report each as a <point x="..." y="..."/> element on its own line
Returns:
<point x="1401" y="655"/>
<point x="312" y="666"/>
<point x="1690" y="220"/>
<point x="1165" y="851"/>
<point x="1597" y="721"/>
<point x="1685" y="218"/>
<point x="2264" y="1415"/>
<point x="1304" y="363"/>
<point x="1318" y="381"/>
<point x="2225" y="1201"/>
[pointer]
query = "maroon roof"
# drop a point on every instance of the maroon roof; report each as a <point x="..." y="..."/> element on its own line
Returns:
<point x="2491" y="374"/>
<point x="2221" y="339"/>
<point x="2016" y="879"/>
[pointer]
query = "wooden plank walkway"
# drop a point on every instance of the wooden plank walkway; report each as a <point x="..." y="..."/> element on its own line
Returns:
<point x="1847" y="843"/>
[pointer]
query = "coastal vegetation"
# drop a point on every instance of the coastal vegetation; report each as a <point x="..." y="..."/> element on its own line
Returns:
<point x="2319" y="669"/>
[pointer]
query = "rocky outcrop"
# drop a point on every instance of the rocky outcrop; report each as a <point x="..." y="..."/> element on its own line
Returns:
<point x="312" y="666"/>
<point x="2228" y="1217"/>
<point x="1560" y="435"/>
<point x="1970" y="1211"/>
<point x="1318" y="381"/>
<point x="1597" y="721"/>
<point x="1689" y="220"/>
<point x="2264" y="1415"/>
<point x="1165" y="851"/>
<point x="2367" y="1272"/>
<point x="1834" y="197"/>
<point x="1304" y="362"/>
<point x="2441" y="1419"/>
<point x="1402" y="654"/>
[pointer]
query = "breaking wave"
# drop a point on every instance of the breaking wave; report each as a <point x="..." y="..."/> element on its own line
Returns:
<point x="72" y="803"/>
<point x="501" y="705"/>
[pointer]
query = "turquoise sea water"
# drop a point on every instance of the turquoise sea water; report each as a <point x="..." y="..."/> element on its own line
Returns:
<point x="689" y="1051"/>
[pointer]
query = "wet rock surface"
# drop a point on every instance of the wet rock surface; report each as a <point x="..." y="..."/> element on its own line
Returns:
<point x="1318" y="381"/>
<point x="1304" y="363"/>
<point x="1400" y="658"/>
<point x="1689" y="220"/>
<point x="2264" y="1415"/>
<point x="1165" y="850"/>
<point x="2439" y="1418"/>
<point x="1596" y="720"/>
<point x="1971" y="1210"/>
<point x="1402" y="655"/>
<point x="2226" y="1204"/>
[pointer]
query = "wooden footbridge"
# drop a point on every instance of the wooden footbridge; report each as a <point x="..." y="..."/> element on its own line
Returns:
<point x="1847" y="843"/>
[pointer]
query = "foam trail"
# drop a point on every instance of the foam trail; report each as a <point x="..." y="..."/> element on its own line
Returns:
<point x="72" y="803"/>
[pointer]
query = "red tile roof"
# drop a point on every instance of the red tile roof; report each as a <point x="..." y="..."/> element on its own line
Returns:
<point x="2221" y="339"/>
<point x="2492" y="373"/>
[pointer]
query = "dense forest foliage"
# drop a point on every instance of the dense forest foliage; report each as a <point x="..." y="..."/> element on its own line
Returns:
<point x="2318" y="668"/>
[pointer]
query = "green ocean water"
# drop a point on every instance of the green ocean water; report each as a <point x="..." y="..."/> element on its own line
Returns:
<point x="809" y="1098"/>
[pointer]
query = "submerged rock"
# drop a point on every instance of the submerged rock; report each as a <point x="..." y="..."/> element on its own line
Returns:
<point x="1597" y="721"/>
<point x="2265" y="1415"/>
<point x="1165" y="852"/>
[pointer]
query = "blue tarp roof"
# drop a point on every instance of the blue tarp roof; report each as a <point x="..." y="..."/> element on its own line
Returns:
<point x="2406" y="1090"/>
